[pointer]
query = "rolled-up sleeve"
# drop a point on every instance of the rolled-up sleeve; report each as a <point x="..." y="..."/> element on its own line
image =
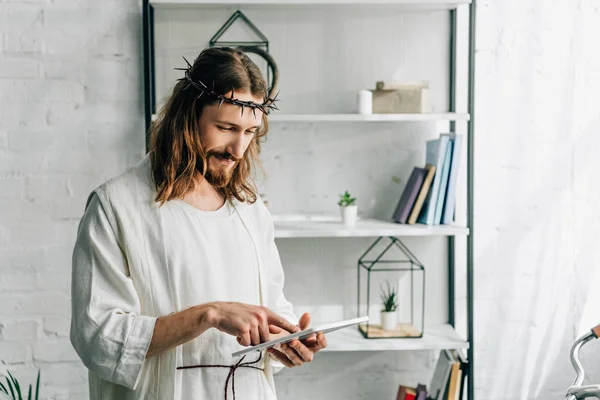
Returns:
<point x="107" y="330"/>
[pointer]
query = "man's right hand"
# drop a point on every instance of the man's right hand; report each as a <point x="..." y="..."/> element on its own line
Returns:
<point x="249" y="323"/>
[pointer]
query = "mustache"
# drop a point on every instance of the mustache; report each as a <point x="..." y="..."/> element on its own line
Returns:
<point x="224" y="156"/>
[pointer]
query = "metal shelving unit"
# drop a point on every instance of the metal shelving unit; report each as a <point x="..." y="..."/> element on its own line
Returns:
<point x="436" y="337"/>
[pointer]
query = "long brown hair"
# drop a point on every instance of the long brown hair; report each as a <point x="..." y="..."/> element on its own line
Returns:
<point x="176" y="153"/>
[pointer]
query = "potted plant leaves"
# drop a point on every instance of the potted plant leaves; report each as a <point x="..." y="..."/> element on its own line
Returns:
<point x="12" y="389"/>
<point x="389" y="300"/>
<point x="348" y="209"/>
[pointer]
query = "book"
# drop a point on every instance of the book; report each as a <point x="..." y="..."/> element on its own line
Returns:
<point x="441" y="376"/>
<point x="436" y="150"/>
<point x="454" y="381"/>
<point x="464" y="368"/>
<point x="448" y="212"/>
<point x="409" y="195"/>
<point x="421" y="392"/>
<point x="414" y="214"/>
<point x="406" y="393"/>
<point x="439" y="206"/>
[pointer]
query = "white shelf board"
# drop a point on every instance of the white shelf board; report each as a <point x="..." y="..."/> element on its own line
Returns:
<point x="367" y="118"/>
<point x="291" y="226"/>
<point x="437" y="337"/>
<point x="428" y="4"/>
<point x="364" y="118"/>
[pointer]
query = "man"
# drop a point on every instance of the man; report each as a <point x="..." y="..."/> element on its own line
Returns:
<point x="175" y="265"/>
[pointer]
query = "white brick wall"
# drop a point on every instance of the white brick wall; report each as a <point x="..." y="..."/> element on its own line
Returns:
<point x="71" y="117"/>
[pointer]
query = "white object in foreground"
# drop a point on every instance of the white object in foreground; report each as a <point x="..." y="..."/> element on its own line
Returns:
<point x="326" y="328"/>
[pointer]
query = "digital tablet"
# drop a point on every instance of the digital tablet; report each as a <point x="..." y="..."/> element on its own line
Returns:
<point x="325" y="328"/>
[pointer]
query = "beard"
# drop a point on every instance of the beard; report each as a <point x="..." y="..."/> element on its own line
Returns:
<point x="220" y="176"/>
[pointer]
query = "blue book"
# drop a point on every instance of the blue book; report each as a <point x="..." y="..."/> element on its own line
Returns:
<point x="436" y="150"/>
<point x="439" y="206"/>
<point x="450" y="202"/>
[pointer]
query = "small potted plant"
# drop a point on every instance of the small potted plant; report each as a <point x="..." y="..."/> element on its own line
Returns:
<point x="389" y="299"/>
<point x="348" y="208"/>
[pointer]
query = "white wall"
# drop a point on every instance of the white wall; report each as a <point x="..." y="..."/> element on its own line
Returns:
<point x="537" y="220"/>
<point x="71" y="117"/>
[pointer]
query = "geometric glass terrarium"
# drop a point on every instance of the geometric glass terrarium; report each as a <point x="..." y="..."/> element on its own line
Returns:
<point x="391" y="291"/>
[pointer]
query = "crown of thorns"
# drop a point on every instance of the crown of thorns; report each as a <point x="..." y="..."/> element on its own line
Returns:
<point x="265" y="107"/>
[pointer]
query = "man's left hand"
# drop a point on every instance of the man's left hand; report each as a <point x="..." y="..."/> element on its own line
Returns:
<point x="297" y="352"/>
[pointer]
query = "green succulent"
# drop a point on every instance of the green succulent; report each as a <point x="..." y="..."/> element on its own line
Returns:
<point x="389" y="298"/>
<point x="346" y="200"/>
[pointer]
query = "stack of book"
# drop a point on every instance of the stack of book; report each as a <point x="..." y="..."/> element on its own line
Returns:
<point x="449" y="376"/>
<point x="430" y="193"/>
<point x="410" y="393"/>
<point x="447" y="383"/>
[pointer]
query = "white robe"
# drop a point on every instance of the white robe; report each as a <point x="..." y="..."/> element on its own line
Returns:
<point x="131" y="264"/>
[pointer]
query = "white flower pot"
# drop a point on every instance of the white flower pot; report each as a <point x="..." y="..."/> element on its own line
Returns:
<point x="349" y="215"/>
<point x="388" y="320"/>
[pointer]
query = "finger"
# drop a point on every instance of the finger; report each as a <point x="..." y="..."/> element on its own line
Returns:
<point x="244" y="339"/>
<point x="302" y="350"/>
<point x="322" y="339"/>
<point x="263" y="330"/>
<point x="310" y="342"/>
<point x="304" y="321"/>
<point x="275" y="329"/>
<point x="282" y="358"/>
<point x="291" y="354"/>
<point x="254" y="335"/>
<point x="281" y="322"/>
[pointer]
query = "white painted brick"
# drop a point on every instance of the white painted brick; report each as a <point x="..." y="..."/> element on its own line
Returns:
<point x="20" y="17"/>
<point x="72" y="44"/>
<point x="15" y="353"/>
<point x="57" y="326"/>
<point x="24" y="114"/>
<point x="75" y="69"/>
<point x="65" y="374"/>
<point x="54" y="351"/>
<point x="13" y="90"/>
<point x="25" y="330"/>
<point x="67" y="18"/>
<point x="115" y="136"/>
<point x="46" y="139"/>
<point x="4" y="236"/>
<point x="46" y="187"/>
<point x="110" y="88"/>
<point x="42" y="233"/>
<point x="19" y="68"/>
<point x="47" y="304"/>
<point x="55" y="281"/>
<point x="16" y="280"/>
<point x="46" y="91"/>
<point x="29" y="42"/>
<point x="11" y="188"/>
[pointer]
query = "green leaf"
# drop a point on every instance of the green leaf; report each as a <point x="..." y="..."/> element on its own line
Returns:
<point x="11" y="388"/>
<point x="17" y="386"/>
<point x="3" y="388"/>
<point x="29" y="393"/>
<point x="37" y="386"/>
